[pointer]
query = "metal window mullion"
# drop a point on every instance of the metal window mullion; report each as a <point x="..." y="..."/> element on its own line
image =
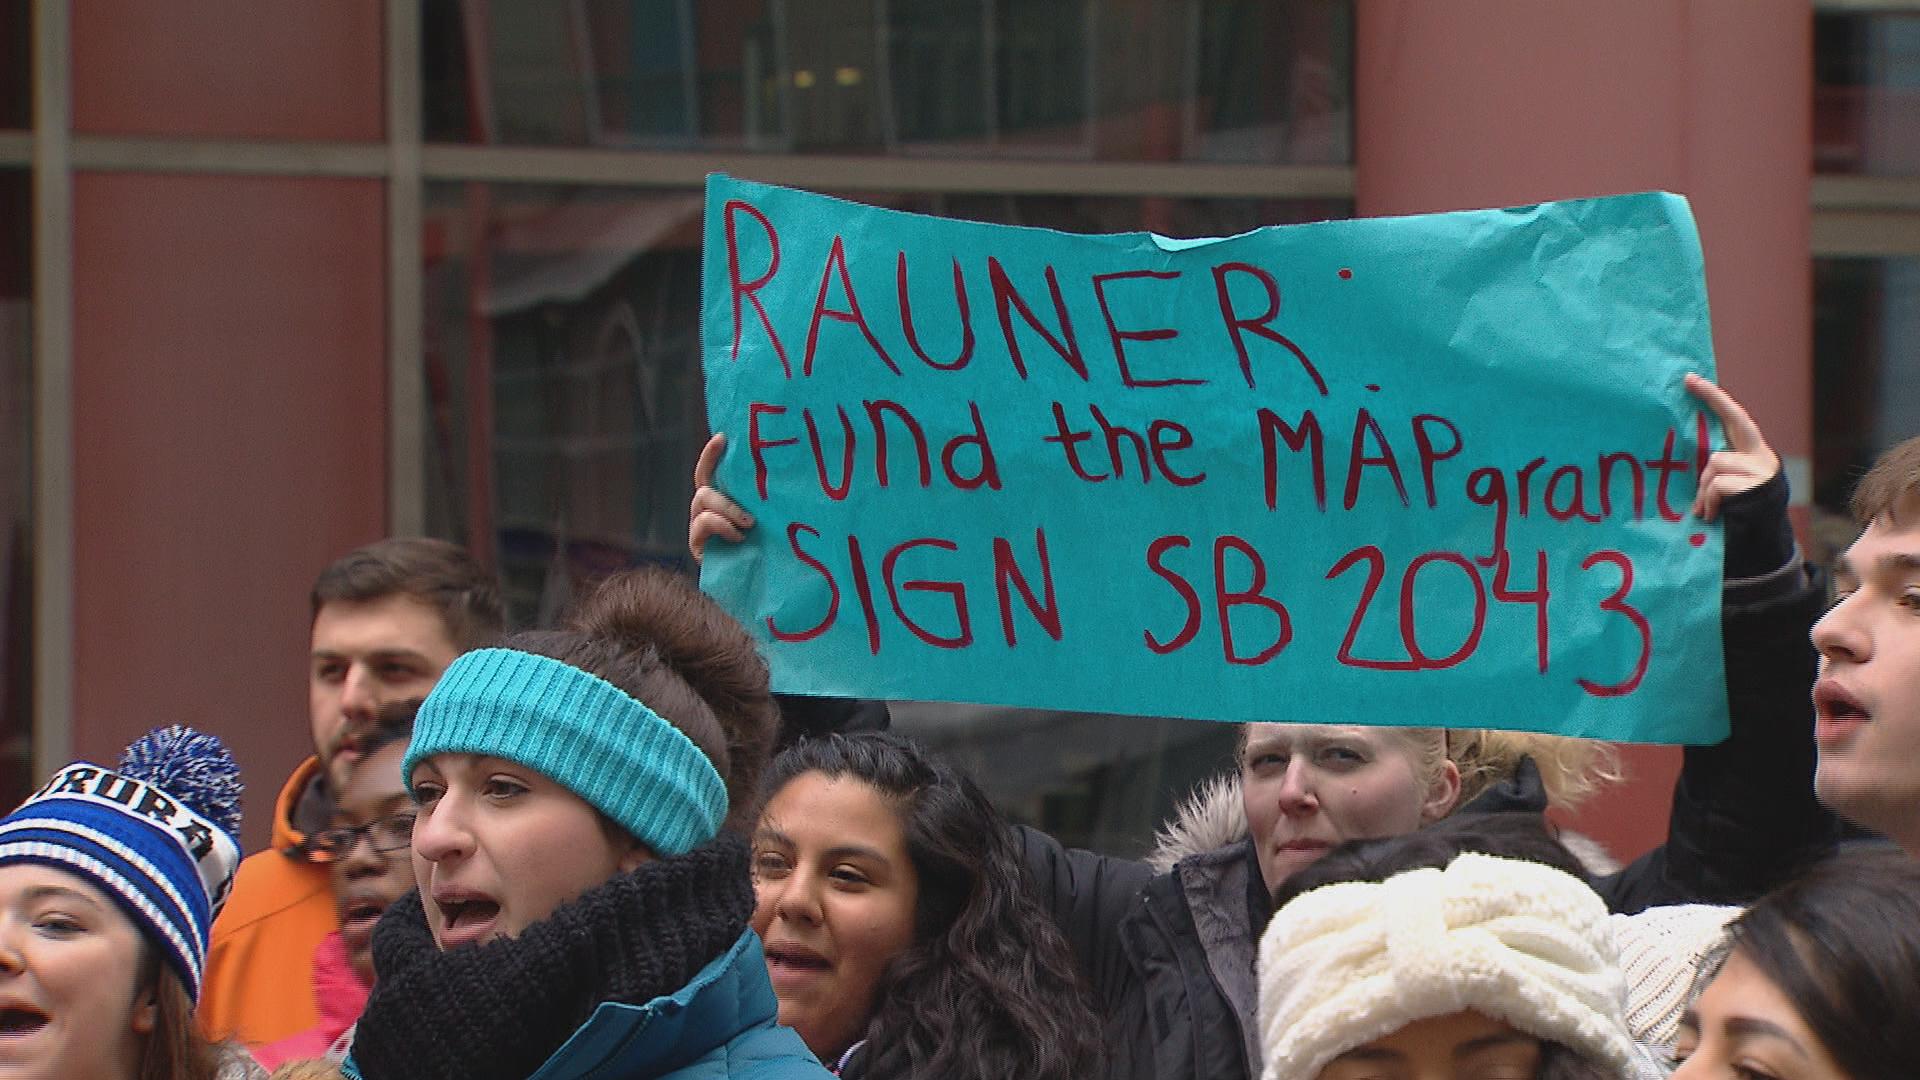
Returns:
<point x="406" y="386"/>
<point x="1874" y="234"/>
<point x="1864" y="7"/>
<point x="53" y="479"/>
<point x="1843" y="192"/>
<point x="823" y="172"/>
<point x="228" y="157"/>
<point x="689" y="67"/>
<point x="880" y="86"/>
<point x="989" y="73"/>
<point x="592" y="119"/>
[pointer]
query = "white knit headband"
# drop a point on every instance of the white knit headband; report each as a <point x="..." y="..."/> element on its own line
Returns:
<point x="1524" y="943"/>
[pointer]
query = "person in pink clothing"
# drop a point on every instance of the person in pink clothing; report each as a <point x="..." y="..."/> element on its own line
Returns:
<point x="365" y="847"/>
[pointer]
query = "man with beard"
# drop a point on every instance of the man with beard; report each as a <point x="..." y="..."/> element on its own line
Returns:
<point x="387" y="620"/>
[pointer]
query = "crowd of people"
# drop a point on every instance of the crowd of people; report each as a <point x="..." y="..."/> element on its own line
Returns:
<point x="607" y="849"/>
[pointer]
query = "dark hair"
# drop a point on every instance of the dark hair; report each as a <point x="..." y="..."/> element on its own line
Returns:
<point x="988" y="988"/>
<point x="1509" y="835"/>
<point x="1894" y="477"/>
<point x="654" y="634"/>
<point x="1558" y="1061"/>
<point x="436" y="573"/>
<point x="1842" y="942"/>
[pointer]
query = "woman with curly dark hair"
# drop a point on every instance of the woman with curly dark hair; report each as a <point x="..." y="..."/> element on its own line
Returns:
<point x="901" y="936"/>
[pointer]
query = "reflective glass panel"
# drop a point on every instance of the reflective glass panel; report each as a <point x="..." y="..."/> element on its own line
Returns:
<point x="563" y="379"/>
<point x="1194" y="80"/>
<point x="1090" y="780"/>
<point x="1866" y="105"/>
<point x="1866" y="388"/>
<point x="16" y="486"/>
<point x="16" y="65"/>
<point x="565" y="411"/>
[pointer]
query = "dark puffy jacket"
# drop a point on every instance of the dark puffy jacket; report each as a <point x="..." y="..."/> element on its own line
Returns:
<point x="1170" y="956"/>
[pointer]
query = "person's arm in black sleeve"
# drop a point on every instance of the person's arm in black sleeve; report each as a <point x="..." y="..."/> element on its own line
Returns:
<point x="1744" y="814"/>
<point x="1087" y="894"/>
<point x="805" y="717"/>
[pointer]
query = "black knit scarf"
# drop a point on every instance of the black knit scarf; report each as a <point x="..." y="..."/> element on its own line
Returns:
<point x="497" y="1011"/>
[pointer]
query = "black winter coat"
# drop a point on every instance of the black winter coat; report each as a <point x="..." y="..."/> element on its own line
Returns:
<point x="1170" y="957"/>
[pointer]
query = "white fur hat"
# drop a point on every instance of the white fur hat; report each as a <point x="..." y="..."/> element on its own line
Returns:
<point x="1521" y="942"/>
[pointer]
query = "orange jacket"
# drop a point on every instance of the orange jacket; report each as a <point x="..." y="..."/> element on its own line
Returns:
<point x="259" y="982"/>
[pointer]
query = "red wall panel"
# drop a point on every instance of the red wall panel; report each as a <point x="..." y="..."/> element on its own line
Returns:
<point x="275" y="69"/>
<point x="230" y="417"/>
<point x="1478" y="103"/>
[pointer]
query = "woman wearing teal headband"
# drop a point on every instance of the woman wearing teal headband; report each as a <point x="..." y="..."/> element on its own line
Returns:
<point x="580" y="912"/>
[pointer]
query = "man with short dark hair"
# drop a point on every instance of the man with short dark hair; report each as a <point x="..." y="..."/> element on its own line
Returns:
<point x="387" y="620"/>
<point x="1867" y="700"/>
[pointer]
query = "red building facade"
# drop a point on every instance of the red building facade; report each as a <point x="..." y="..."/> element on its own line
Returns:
<point x="280" y="278"/>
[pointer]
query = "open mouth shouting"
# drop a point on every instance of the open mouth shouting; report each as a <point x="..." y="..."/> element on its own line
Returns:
<point x="466" y="917"/>
<point x="791" y="964"/>
<point x="20" y="1020"/>
<point x="358" y="913"/>
<point x="20" y="1023"/>
<point x="1837" y="714"/>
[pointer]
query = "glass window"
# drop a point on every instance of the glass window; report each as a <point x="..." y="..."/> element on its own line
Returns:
<point x="16" y="65"/>
<point x="1866" y="386"/>
<point x="16" y="486"/>
<point x="1091" y="780"/>
<point x="565" y="410"/>
<point x="1867" y="92"/>
<point x="1203" y="80"/>
<point x="563" y="379"/>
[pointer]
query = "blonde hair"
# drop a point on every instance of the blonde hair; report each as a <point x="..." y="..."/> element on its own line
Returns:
<point x="1571" y="769"/>
<point x="1429" y="746"/>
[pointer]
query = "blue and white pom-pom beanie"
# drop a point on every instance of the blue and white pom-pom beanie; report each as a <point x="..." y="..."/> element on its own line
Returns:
<point x="156" y="833"/>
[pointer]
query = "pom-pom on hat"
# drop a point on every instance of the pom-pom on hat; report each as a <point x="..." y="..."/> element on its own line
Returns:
<point x="583" y="732"/>
<point x="156" y="833"/>
<point x="1346" y="964"/>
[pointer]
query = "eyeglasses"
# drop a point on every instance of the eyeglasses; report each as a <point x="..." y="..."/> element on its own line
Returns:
<point x="391" y="833"/>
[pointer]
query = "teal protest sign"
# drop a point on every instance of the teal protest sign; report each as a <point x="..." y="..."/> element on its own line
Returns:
<point x="1428" y="470"/>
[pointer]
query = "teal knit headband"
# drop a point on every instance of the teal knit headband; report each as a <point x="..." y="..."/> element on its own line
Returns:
<point x="585" y="733"/>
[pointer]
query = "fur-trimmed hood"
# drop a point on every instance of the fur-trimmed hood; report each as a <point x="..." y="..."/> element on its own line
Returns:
<point x="1215" y="815"/>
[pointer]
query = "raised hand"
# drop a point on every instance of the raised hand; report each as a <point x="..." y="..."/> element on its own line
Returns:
<point x="1746" y="463"/>
<point x="711" y="513"/>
